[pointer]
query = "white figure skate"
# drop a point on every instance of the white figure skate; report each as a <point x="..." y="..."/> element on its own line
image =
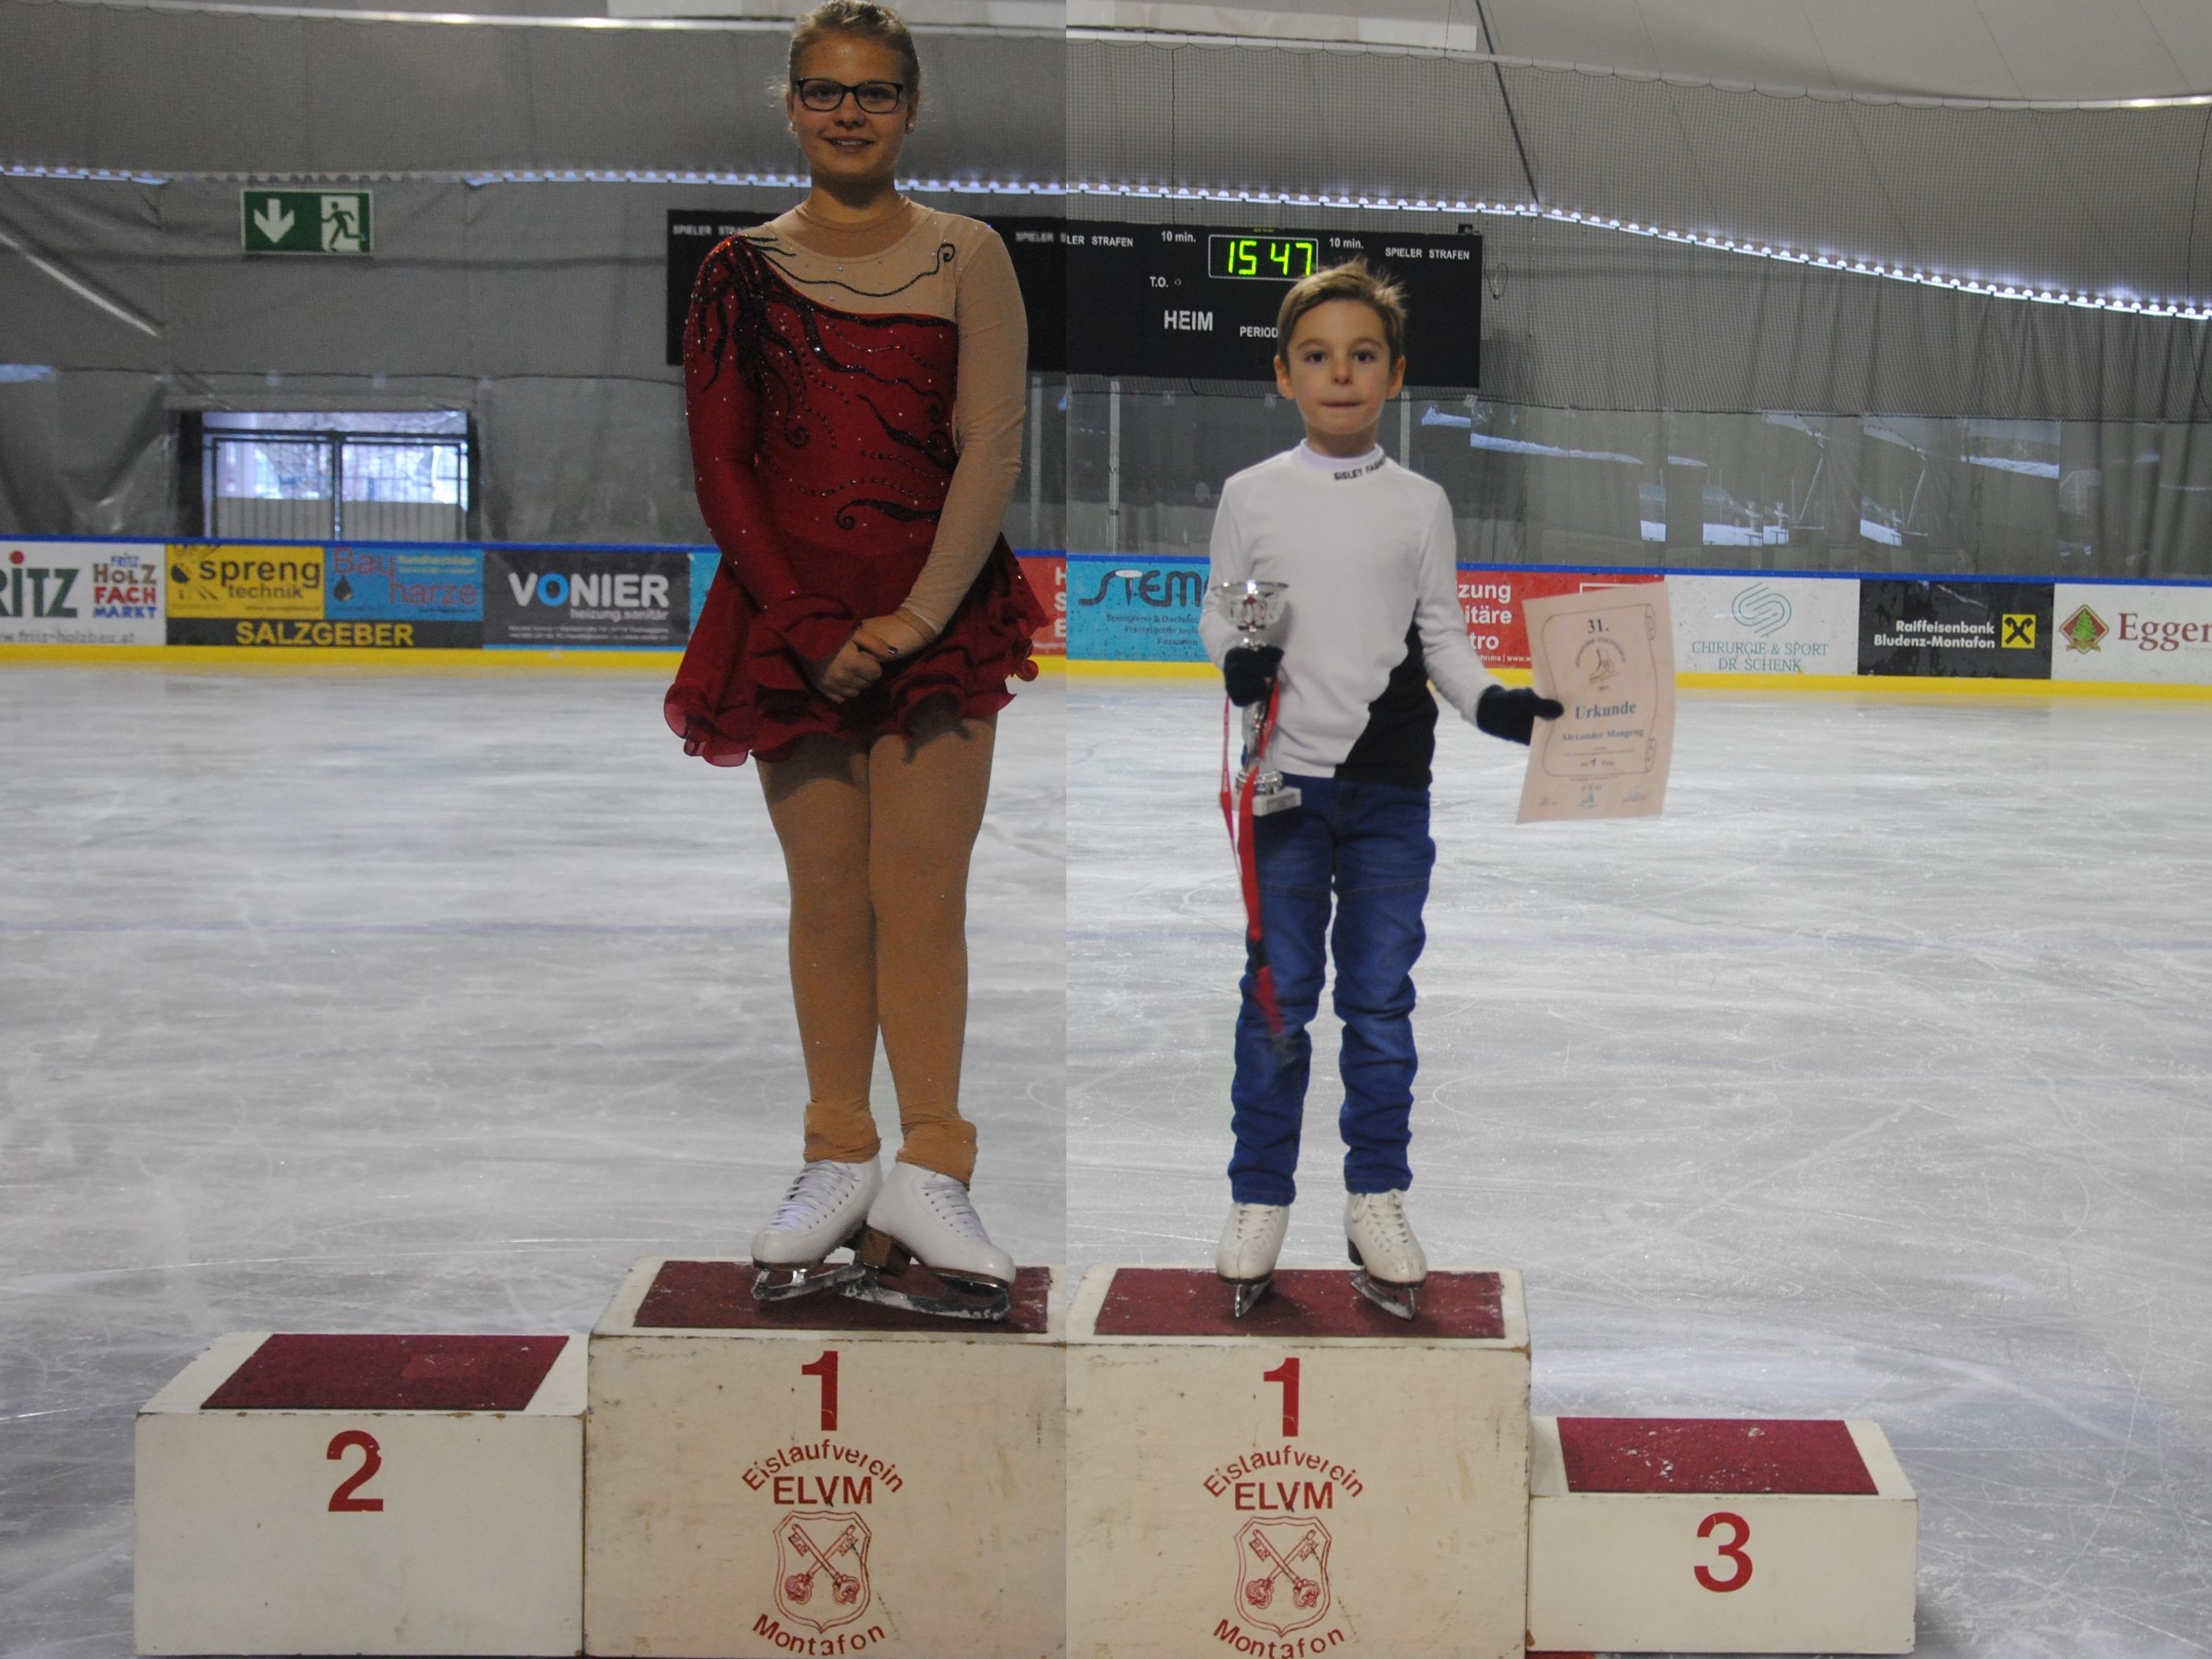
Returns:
<point x="824" y="1210"/>
<point x="1388" y="1257"/>
<point x="920" y="1215"/>
<point x="1249" y="1244"/>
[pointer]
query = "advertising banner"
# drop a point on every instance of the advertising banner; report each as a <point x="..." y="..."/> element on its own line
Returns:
<point x="1492" y="601"/>
<point x="1134" y="610"/>
<point x="437" y="589"/>
<point x="1754" y="624"/>
<point x="1048" y="580"/>
<point x="80" y="593"/>
<point x="235" y="593"/>
<point x="589" y="597"/>
<point x="1979" y="630"/>
<point x="2139" y="633"/>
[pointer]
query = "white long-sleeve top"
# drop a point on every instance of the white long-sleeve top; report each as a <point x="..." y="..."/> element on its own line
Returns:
<point x="1374" y="615"/>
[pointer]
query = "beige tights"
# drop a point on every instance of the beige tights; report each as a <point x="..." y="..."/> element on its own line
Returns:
<point x="876" y="843"/>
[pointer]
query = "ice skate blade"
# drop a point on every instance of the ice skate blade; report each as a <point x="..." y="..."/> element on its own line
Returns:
<point x="810" y="1280"/>
<point x="1402" y="1301"/>
<point x="1247" y="1294"/>
<point x="985" y="1301"/>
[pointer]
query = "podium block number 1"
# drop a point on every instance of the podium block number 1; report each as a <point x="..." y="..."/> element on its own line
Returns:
<point x="1287" y="1374"/>
<point x="826" y="1369"/>
<point x="1732" y="1550"/>
<point x="342" y="1501"/>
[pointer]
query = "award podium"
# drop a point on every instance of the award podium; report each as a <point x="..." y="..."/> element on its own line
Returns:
<point x="1315" y="1477"/>
<point x="1136" y="1476"/>
<point x="822" y="1475"/>
<point x="1718" y="1536"/>
<point x="364" y="1494"/>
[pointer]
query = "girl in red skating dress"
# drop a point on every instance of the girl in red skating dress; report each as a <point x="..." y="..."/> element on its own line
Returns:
<point x="854" y="372"/>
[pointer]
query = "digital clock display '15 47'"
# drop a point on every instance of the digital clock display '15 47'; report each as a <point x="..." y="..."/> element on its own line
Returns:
<point x="1262" y="258"/>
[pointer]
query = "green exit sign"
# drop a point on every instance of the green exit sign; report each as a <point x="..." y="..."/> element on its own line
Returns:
<point x="305" y="220"/>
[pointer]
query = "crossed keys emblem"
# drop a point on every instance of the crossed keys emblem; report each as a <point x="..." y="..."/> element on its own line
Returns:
<point x="1282" y="1572"/>
<point x="821" y="1567"/>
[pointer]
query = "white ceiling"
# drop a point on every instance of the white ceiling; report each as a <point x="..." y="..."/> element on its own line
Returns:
<point x="2036" y="49"/>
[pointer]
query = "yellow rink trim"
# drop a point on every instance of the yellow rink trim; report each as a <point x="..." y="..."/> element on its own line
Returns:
<point x="333" y="660"/>
<point x="1878" y="684"/>
<point x="329" y="660"/>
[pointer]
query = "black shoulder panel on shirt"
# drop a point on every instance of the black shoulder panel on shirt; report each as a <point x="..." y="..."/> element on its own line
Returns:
<point x="1400" y="739"/>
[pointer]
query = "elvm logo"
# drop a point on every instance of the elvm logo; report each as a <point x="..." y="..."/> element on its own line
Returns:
<point x="46" y="591"/>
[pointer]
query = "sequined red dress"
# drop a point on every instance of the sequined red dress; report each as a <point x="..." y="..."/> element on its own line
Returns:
<point x="824" y="446"/>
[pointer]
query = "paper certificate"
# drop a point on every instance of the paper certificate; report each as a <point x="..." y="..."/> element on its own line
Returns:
<point x="1609" y="655"/>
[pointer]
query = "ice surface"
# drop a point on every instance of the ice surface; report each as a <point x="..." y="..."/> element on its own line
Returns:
<point x="1871" y="1080"/>
<point x="404" y="1004"/>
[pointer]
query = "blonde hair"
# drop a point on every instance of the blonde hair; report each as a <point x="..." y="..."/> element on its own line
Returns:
<point x="1350" y="281"/>
<point x="866" y="18"/>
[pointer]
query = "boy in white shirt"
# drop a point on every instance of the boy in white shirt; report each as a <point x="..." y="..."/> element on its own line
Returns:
<point x="1367" y="549"/>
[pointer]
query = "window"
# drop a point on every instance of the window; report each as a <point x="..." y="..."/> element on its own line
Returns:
<point x="393" y="476"/>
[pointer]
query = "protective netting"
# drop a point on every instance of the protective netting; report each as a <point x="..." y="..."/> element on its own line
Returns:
<point x="2094" y="200"/>
<point x="167" y="93"/>
<point x="1643" y="400"/>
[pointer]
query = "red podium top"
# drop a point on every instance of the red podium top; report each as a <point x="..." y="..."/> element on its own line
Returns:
<point x="367" y="1373"/>
<point x="1305" y="1302"/>
<point x="1815" y="1458"/>
<point x="718" y="1296"/>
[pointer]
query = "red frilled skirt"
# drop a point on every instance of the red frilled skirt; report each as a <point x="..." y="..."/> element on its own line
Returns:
<point x="739" y="690"/>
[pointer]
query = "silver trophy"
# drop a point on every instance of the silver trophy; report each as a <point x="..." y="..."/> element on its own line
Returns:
<point x="1255" y="609"/>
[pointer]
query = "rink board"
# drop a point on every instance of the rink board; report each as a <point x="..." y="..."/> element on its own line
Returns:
<point x="364" y="1494"/>
<point x="1319" y="1477"/>
<point x="1686" y="1535"/>
<point x="821" y="1476"/>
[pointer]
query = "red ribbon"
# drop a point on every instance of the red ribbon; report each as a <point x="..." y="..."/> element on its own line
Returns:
<point x="1237" y="814"/>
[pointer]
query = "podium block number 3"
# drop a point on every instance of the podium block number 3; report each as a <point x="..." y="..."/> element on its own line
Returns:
<point x="1733" y="1551"/>
<point x="342" y="1501"/>
<point x="826" y="1369"/>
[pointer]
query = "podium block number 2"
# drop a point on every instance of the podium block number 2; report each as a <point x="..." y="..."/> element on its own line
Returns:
<point x="342" y="1501"/>
<point x="1733" y="1551"/>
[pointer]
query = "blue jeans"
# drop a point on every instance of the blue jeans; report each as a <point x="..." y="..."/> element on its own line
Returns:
<point x="1368" y="844"/>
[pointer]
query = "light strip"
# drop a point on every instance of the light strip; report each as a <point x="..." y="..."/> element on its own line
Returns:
<point x="480" y="176"/>
<point x="2192" y="311"/>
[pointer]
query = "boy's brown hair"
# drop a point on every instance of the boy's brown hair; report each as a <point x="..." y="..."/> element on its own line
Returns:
<point x="868" y="20"/>
<point x="1350" y="281"/>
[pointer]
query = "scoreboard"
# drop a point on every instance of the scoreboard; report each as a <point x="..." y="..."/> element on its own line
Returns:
<point x="1179" y="301"/>
<point x="1199" y="301"/>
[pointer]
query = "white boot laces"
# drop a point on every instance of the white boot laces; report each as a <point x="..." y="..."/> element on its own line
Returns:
<point x="1386" y="1212"/>
<point x="817" y="1189"/>
<point x="948" y="1198"/>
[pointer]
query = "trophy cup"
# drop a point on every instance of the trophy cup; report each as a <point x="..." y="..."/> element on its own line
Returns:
<point x="1254" y="610"/>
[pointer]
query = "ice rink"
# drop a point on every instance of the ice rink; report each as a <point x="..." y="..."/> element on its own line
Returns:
<point x="405" y="1005"/>
<point x="1870" y="1081"/>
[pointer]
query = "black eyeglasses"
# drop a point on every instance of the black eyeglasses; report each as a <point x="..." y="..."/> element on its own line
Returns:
<point x="822" y="95"/>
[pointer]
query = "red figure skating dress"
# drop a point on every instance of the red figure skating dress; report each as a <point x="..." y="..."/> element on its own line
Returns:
<point x="855" y="432"/>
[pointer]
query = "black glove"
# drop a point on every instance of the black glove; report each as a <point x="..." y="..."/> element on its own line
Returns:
<point x="1250" y="672"/>
<point x="1513" y="715"/>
